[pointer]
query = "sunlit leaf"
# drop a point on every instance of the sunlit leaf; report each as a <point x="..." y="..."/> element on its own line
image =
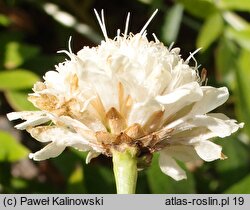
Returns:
<point x="172" y="23"/>
<point x="241" y="5"/>
<point x="11" y="150"/>
<point x="161" y="183"/>
<point x="4" y="20"/>
<point x="199" y="8"/>
<point x="235" y="21"/>
<point x="18" y="100"/>
<point x="17" y="53"/>
<point x="76" y="181"/>
<point x="17" y="79"/>
<point x="210" y="31"/>
<point x="242" y="37"/>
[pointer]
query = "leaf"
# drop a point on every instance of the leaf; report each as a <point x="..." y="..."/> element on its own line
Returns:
<point x="225" y="62"/>
<point x="4" y="20"/>
<point x="17" y="79"/>
<point x="18" y="184"/>
<point x="172" y="23"/>
<point x="241" y="187"/>
<point x="242" y="37"/>
<point x="18" y="100"/>
<point x="76" y="181"/>
<point x="235" y="21"/>
<point x="243" y="89"/>
<point x="161" y="183"/>
<point x="236" y="166"/>
<point x="11" y="150"/>
<point x="17" y="53"/>
<point x="240" y="5"/>
<point x="69" y="166"/>
<point x="199" y="8"/>
<point x="142" y="183"/>
<point x="210" y="31"/>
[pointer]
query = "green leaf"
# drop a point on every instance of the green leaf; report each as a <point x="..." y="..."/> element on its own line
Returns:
<point x="76" y="181"/>
<point x="225" y="62"/>
<point x="199" y="8"/>
<point x="235" y="21"/>
<point x="16" y="54"/>
<point x="18" y="184"/>
<point x="172" y="23"/>
<point x="240" y="5"/>
<point x="17" y="79"/>
<point x="242" y="37"/>
<point x="241" y="187"/>
<point x="4" y="20"/>
<point x="11" y="150"/>
<point x="18" y="100"/>
<point x="161" y="183"/>
<point x="70" y="167"/>
<point x="210" y="31"/>
<point x="243" y="89"/>
<point x="236" y="166"/>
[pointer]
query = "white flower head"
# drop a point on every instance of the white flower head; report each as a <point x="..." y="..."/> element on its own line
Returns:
<point x="128" y="92"/>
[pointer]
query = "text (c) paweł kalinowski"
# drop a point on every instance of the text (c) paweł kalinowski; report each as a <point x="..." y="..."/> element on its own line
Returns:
<point x="61" y="201"/>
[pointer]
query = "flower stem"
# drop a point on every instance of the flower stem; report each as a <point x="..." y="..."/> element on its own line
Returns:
<point x="125" y="170"/>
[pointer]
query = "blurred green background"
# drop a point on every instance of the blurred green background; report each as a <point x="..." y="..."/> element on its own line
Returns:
<point x="31" y="31"/>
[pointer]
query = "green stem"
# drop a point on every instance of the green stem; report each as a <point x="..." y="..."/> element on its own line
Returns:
<point x="125" y="170"/>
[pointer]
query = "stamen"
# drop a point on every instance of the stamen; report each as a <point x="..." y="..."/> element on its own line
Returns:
<point x="192" y="56"/>
<point x="147" y="23"/>
<point x="70" y="54"/>
<point x="155" y="37"/>
<point x="126" y="26"/>
<point x="70" y="38"/>
<point x="101" y="23"/>
<point x="104" y="26"/>
<point x="118" y="33"/>
<point x="171" y="46"/>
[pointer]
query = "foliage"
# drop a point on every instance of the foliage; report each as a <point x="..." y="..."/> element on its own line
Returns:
<point x="32" y="31"/>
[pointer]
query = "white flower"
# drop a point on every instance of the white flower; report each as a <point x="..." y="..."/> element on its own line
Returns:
<point x="128" y="92"/>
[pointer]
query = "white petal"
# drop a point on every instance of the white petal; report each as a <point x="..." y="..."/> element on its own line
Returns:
<point x="221" y="128"/>
<point x="25" y="115"/>
<point x="91" y="155"/>
<point x="180" y="98"/>
<point x="232" y="123"/>
<point x="189" y="135"/>
<point x="70" y="122"/>
<point x="32" y="122"/>
<point x="182" y="152"/>
<point x="208" y="151"/>
<point x="106" y="89"/>
<point x="50" y="151"/>
<point x="32" y="118"/>
<point x="187" y="93"/>
<point x="141" y="112"/>
<point x="169" y="166"/>
<point x="77" y="126"/>
<point x="57" y="134"/>
<point x="212" y="98"/>
<point x="157" y="80"/>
